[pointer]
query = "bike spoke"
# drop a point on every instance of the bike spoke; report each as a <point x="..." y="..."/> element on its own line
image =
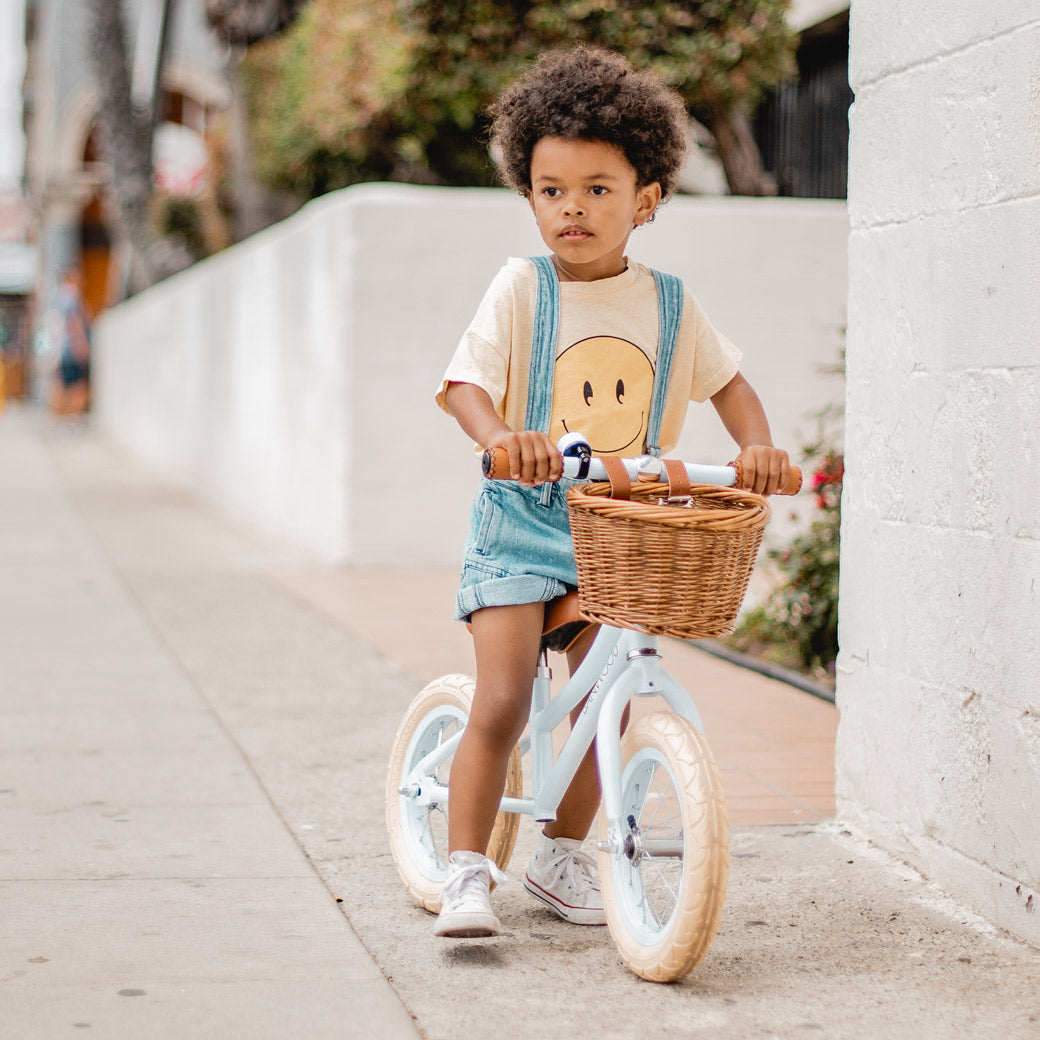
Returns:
<point x="655" y="880"/>
<point x="662" y="878"/>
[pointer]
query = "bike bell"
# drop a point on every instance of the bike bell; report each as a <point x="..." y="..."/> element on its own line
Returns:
<point x="575" y="446"/>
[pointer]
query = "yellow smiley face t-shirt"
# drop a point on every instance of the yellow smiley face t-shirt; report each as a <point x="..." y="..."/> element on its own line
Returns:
<point x="605" y="357"/>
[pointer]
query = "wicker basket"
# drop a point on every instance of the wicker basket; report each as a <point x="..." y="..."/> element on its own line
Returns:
<point x="674" y="569"/>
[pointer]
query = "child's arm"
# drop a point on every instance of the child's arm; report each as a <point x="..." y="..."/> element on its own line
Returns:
<point x="533" y="458"/>
<point x="765" y="468"/>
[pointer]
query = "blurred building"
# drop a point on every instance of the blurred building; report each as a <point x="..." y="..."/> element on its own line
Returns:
<point x="18" y="256"/>
<point x="64" y="178"/>
<point x="54" y="208"/>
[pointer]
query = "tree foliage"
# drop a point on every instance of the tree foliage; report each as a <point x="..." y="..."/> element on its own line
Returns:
<point x="373" y="90"/>
<point x="323" y="99"/>
<point x="797" y="626"/>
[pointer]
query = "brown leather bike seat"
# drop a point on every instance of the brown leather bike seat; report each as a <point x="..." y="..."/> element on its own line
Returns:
<point x="564" y="623"/>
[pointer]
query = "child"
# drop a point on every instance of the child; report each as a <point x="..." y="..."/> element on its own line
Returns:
<point x="594" y="146"/>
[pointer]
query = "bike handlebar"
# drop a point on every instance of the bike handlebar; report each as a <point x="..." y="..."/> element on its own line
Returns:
<point x="495" y="464"/>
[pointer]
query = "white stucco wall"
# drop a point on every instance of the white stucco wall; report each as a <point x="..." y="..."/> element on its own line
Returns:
<point x="939" y="745"/>
<point x="12" y="70"/>
<point x="232" y="378"/>
<point x="291" y="379"/>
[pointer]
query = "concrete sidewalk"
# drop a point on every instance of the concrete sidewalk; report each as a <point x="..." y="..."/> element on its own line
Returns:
<point x="148" y="886"/>
<point x="193" y="735"/>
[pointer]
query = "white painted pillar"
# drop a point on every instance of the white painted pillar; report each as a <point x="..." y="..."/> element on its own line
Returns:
<point x="939" y="675"/>
<point x="12" y="69"/>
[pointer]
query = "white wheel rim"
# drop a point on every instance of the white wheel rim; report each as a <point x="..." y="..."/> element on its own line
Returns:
<point x="425" y="827"/>
<point x="648" y="890"/>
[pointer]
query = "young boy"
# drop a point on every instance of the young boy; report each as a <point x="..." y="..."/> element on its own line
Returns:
<point x="595" y="147"/>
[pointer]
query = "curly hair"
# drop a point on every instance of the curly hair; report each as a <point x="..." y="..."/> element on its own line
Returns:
<point x="590" y="94"/>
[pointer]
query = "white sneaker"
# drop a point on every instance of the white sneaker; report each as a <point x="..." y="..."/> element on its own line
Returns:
<point x="465" y="899"/>
<point x="564" y="878"/>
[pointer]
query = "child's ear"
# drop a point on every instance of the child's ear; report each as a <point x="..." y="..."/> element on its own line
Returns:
<point x="648" y="198"/>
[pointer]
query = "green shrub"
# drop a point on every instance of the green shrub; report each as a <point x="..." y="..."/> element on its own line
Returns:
<point x="797" y="627"/>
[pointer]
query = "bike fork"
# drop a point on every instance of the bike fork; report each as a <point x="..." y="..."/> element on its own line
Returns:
<point x="643" y="677"/>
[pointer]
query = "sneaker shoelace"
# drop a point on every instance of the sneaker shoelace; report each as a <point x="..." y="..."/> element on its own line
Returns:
<point x="468" y="885"/>
<point x="575" y="868"/>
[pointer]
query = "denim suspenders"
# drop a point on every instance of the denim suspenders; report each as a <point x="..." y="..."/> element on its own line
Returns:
<point x="519" y="549"/>
<point x="546" y="332"/>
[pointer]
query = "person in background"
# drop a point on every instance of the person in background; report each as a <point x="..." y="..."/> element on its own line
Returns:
<point x="70" y="396"/>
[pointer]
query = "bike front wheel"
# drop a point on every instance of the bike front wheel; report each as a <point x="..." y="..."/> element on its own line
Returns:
<point x="664" y="868"/>
<point x="417" y="824"/>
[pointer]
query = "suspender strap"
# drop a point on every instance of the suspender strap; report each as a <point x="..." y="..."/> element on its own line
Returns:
<point x="543" y="346"/>
<point x="546" y="331"/>
<point x="669" y="312"/>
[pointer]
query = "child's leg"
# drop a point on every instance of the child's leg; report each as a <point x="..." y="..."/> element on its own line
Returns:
<point x="506" y="641"/>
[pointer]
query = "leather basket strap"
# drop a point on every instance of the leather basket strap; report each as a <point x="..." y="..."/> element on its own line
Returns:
<point x="678" y="479"/>
<point x="620" y="482"/>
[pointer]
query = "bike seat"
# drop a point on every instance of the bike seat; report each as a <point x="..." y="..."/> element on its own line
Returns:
<point x="564" y="623"/>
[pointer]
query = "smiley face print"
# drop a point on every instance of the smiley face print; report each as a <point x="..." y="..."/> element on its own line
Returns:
<point x="602" y="389"/>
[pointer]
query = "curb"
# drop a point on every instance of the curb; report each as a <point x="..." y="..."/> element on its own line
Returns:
<point x="771" y="671"/>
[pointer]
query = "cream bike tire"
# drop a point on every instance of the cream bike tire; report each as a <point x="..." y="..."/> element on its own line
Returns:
<point x="418" y="833"/>
<point x="663" y="890"/>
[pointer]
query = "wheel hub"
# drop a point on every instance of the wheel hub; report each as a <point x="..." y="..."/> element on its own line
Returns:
<point x="632" y="846"/>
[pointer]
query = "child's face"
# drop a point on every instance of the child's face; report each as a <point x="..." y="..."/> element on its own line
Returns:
<point x="586" y="200"/>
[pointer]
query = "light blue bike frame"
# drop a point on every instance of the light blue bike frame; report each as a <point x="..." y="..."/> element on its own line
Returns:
<point x="620" y="665"/>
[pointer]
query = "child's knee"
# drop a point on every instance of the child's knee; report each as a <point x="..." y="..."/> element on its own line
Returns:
<point x="500" y="720"/>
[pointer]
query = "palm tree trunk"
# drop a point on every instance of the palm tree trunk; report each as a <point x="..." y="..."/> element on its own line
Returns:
<point x="125" y="135"/>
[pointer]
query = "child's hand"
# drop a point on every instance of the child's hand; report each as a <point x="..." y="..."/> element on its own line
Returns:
<point x="533" y="458"/>
<point x="764" y="469"/>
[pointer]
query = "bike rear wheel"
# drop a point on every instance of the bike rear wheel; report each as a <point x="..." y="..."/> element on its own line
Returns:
<point x="418" y="827"/>
<point x="665" y="881"/>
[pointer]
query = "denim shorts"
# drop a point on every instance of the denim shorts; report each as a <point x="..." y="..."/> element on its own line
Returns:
<point x="519" y="547"/>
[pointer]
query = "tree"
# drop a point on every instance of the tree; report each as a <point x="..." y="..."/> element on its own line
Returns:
<point x="720" y="55"/>
<point x="127" y="124"/>
<point x="245" y="24"/>
<point x="125" y="133"/>
<point x="419" y="113"/>
<point x="327" y="100"/>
